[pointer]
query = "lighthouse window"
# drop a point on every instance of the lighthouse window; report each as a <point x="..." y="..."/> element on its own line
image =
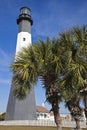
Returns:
<point x="24" y="39"/>
<point x="24" y="11"/>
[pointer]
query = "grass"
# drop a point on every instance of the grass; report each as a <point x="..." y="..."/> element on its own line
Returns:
<point x="31" y="128"/>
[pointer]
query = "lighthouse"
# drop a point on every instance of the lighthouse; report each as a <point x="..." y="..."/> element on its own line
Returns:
<point x="22" y="109"/>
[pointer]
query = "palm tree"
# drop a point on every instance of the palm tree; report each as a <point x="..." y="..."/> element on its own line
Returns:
<point x="41" y="60"/>
<point x="75" y="70"/>
<point x="71" y="84"/>
<point x="81" y="37"/>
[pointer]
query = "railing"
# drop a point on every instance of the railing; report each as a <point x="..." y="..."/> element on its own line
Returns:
<point x="28" y="122"/>
<point x="73" y="124"/>
<point x="41" y="123"/>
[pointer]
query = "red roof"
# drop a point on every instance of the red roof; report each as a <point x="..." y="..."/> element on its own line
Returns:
<point x="42" y="109"/>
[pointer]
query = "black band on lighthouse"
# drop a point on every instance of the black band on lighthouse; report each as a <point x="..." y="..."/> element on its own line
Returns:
<point x="24" y="17"/>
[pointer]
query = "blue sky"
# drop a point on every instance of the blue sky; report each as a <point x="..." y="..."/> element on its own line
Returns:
<point x="50" y="18"/>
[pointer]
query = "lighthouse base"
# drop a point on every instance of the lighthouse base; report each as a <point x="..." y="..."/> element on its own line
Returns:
<point x="21" y="109"/>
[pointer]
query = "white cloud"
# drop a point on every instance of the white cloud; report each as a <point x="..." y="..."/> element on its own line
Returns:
<point x="5" y="59"/>
<point x="4" y="81"/>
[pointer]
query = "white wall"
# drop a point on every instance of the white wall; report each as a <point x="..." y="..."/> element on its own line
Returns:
<point x="21" y="42"/>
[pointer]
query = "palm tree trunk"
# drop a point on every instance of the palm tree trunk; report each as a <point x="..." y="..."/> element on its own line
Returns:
<point x="85" y="103"/>
<point x="77" y="123"/>
<point x="76" y="110"/>
<point x="57" y="118"/>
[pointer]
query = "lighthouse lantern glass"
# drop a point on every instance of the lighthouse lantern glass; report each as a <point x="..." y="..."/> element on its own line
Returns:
<point x="25" y="11"/>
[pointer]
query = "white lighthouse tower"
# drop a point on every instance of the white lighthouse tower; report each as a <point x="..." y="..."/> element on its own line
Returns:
<point x="24" y="109"/>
